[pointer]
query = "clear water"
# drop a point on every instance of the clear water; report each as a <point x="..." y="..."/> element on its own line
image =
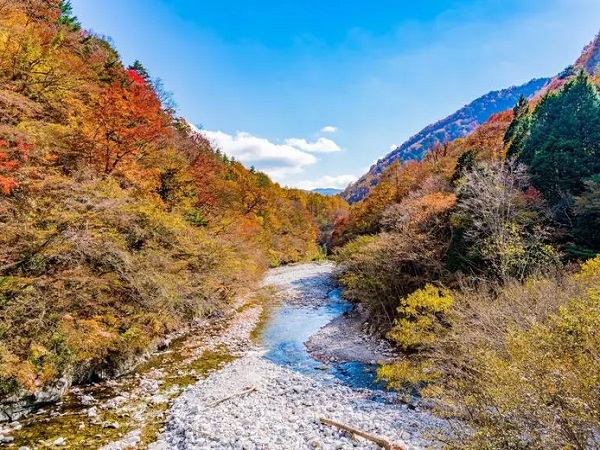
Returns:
<point x="290" y="327"/>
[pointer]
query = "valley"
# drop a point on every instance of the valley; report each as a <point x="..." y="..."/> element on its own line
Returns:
<point x="169" y="287"/>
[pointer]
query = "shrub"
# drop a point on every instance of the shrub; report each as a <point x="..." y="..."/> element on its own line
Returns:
<point x="542" y="391"/>
<point x="517" y="363"/>
<point x="421" y="315"/>
<point x="501" y="220"/>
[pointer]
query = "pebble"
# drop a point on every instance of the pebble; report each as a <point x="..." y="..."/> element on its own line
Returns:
<point x="158" y="445"/>
<point x="87" y="400"/>
<point x="60" y="442"/>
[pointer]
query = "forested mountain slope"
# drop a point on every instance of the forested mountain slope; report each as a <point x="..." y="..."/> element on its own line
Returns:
<point x="456" y="125"/>
<point x="118" y="224"/>
<point x="467" y="119"/>
<point x="480" y="263"/>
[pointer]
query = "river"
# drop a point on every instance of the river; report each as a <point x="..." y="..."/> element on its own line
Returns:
<point x="166" y="402"/>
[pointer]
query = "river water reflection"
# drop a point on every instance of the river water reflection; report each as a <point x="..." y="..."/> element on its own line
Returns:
<point x="290" y="326"/>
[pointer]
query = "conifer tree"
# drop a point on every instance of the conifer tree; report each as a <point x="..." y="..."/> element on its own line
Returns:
<point x="563" y="148"/>
<point x="139" y="68"/>
<point x="67" y="17"/>
<point x="518" y="130"/>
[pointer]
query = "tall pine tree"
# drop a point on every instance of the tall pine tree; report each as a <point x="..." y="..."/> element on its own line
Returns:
<point x="563" y="146"/>
<point x="517" y="132"/>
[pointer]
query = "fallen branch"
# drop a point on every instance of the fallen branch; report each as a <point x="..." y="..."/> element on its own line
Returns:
<point x="238" y="394"/>
<point x="387" y="445"/>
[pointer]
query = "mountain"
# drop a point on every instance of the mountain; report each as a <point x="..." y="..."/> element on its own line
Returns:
<point x="327" y="191"/>
<point x="590" y="57"/>
<point x="457" y="125"/>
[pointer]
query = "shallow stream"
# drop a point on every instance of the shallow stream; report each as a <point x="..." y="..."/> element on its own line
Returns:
<point x="290" y="326"/>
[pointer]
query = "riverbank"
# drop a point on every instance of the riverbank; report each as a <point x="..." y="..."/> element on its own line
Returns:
<point x="345" y="339"/>
<point x="284" y="411"/>
<point x="130" y="411"/>
<point x="167" y="402"/>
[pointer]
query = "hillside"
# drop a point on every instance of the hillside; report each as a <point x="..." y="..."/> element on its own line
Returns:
<point x="480" y="262"/>
<point x="118" y="223"/>
<point x="466" y="119"/>
<point x="590" y="56"/>
<point x="457" y="125"/>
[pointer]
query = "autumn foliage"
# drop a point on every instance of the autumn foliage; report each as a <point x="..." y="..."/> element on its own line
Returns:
<point x="126" y="122"/>
<point x="11" y="158"/>
<point x="469" y="262"/>
<point x="118" y="224"/>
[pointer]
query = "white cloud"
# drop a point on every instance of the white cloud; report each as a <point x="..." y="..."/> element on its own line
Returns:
<point x="329" y="129"/>
<point x="277" y="160"/>
<point x="322" y="145"/>
<point x="328" y="181"/>
<point x="393" y="147"/>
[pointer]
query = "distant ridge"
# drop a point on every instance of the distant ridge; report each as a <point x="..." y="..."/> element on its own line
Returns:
<point x="457" y="125"/>
<point x="327" y="191"/>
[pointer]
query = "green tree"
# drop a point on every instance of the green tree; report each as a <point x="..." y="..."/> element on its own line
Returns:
<point x="139" y="68"/>
<point x="67" y="17"/>
<point x="563" y="148"/>
<point x="517" y="132"/>
<point x="587" y="213"/>
<point x="464" y="164"/>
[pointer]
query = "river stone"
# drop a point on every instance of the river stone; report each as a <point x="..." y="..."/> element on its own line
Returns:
<point x="158" y="445"/>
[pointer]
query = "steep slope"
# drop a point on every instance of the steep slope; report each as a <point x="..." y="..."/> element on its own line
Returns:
<point x="118" y="224"/>
<point x="590" y="57"/>
<point x="457" y="125"/>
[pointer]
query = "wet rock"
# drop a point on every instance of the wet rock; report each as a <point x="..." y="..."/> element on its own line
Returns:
<point x="23" y="402"/>
<point x="130" y="440"/>
<point x="115" y="402"/>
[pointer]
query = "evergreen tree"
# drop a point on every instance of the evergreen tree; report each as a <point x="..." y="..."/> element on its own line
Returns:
<point x="563" y="147"/>
<point x="465" y="163"/>
<point x="587" y="213"/>
<point x="66" y="16"/>
<point x="139" y="68"/>
<point x="517" y="132"/>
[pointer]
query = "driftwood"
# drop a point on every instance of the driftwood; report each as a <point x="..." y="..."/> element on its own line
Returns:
<point x="387" y="445"/>
<point x="237" y="394"/>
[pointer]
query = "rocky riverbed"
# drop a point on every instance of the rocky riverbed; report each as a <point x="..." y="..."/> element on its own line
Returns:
<point x="275" y="407"/>
<point x="129" y="412"/>
<point x="283" y="412"/>
<point x="345" y="339"/>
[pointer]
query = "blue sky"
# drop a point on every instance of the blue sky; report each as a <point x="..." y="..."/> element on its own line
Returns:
<point x="313" y="92"/>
